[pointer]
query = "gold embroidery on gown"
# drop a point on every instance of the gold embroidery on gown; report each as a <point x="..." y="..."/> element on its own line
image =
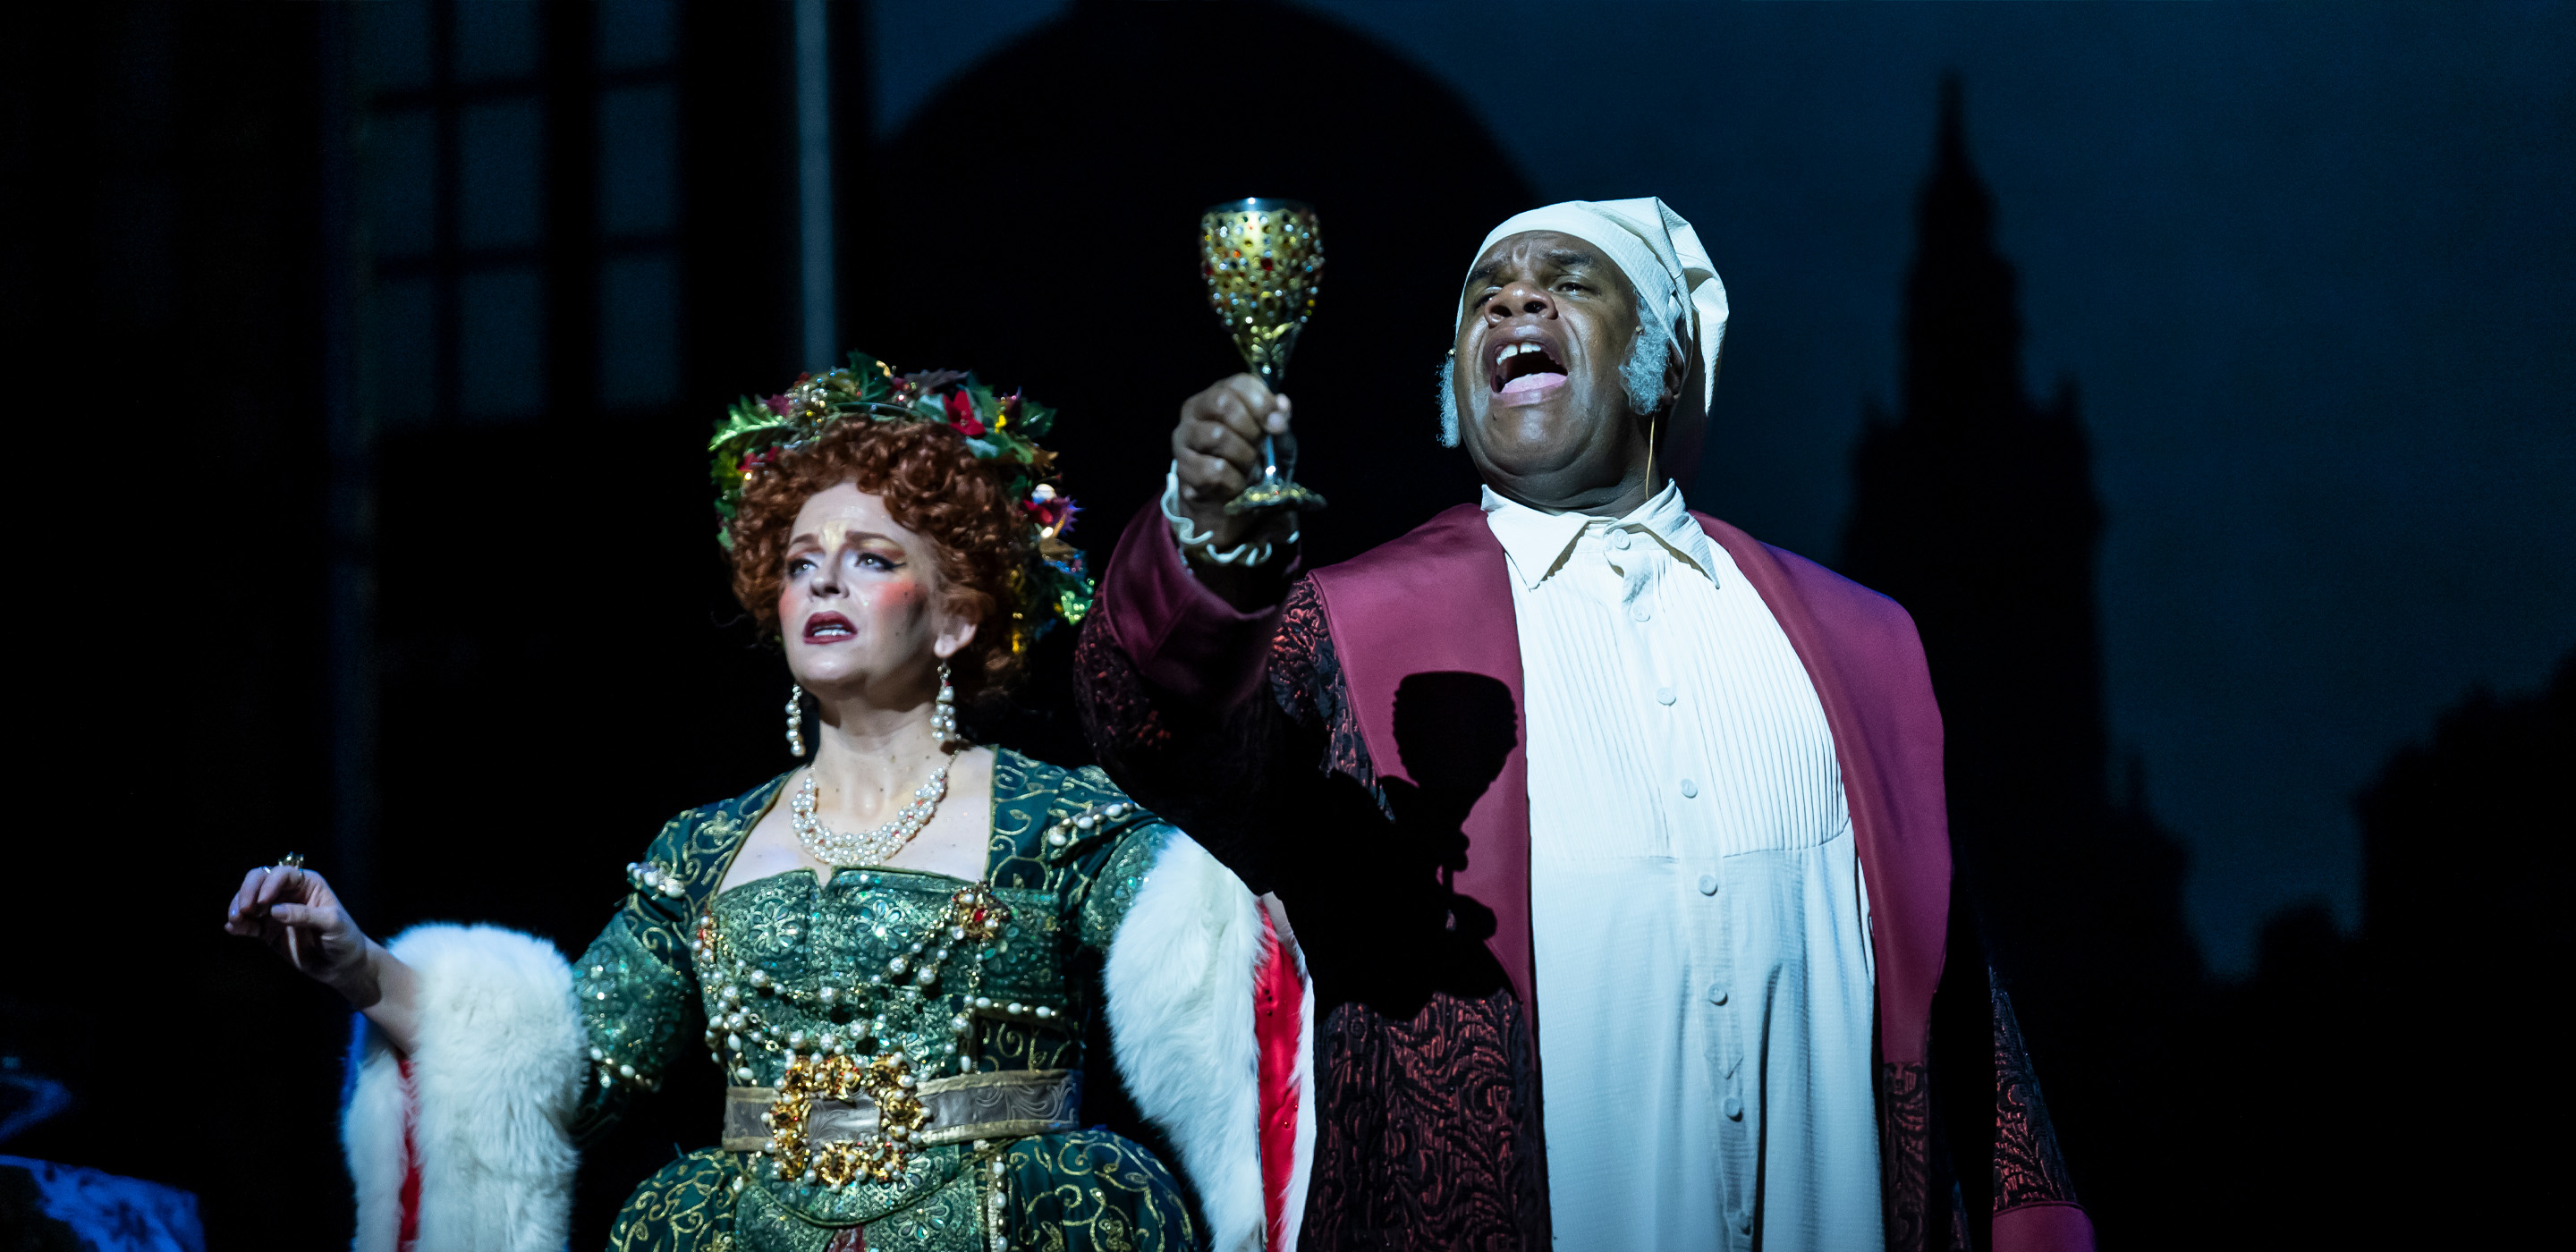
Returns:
<point x="648" y="1010"/>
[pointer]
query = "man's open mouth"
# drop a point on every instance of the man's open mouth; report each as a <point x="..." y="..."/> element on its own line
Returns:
<point x="1525" y="367"/>
<point x="825" y="627"/>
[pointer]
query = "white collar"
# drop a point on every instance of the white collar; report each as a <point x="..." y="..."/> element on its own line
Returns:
<point x="1538" y="542"/>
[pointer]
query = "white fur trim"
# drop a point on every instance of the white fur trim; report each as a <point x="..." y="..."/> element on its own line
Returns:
<point x="495" y="1078"/>
<point x="1179" y="980"/>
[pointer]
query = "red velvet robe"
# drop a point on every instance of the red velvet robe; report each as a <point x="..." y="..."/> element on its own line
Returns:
<point x="1357" y="750"/>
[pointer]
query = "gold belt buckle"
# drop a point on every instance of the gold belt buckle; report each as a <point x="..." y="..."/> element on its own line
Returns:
<point x="884" y="1081"/>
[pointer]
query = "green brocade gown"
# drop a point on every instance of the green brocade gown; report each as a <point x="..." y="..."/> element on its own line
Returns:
<point x="1068" y="852"/>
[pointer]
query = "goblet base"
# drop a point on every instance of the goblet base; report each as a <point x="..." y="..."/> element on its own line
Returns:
<point x="1263" y="497"/>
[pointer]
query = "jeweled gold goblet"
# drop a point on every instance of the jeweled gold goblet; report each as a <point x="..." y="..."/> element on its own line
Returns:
<point x="1264" y="261"/>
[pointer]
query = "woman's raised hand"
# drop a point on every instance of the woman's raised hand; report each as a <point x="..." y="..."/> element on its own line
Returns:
<point x="292" y="910"/>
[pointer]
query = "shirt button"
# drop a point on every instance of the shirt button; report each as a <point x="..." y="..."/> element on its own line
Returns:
<point x="1734" y="1109"/>
<point x="1619" y="539"/>
<point x="1640" y="612"/>
<point x="1689" y="789"/>
<point x="1664" y="695"/>
<point x="1708" y="884"/>
<point x="1717" y="993"/>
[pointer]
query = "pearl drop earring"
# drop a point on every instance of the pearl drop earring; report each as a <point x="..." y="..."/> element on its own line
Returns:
<point x="943" y="711"/>
<point x="795" y="720"/>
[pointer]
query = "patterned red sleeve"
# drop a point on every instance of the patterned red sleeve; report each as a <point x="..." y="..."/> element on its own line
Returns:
<point x="1223" y="774"/>
<point x="1905" y="1155"/>
<point x="1306" y="685"/>
<point x="2035" y="1208"/>
<point x="2029" y="1169"/>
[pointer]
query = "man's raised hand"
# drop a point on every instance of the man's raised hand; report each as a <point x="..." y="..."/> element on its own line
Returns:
<point x="1218" y="447"/>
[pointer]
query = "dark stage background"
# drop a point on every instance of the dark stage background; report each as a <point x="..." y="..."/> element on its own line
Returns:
<point x="362" y="356"/>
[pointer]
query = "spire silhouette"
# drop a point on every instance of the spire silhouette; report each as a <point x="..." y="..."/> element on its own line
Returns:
<point x="1963" y="320"/>
<point x="1974" y="507"/>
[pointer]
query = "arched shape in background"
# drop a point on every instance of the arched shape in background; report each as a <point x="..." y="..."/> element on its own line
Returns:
<point x="1037" y="220"/>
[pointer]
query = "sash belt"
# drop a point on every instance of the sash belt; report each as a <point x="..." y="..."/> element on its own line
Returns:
<point x="1012" y="1104"/>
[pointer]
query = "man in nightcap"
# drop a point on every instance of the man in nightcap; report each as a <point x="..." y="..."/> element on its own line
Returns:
<point x="1614" y="839"/>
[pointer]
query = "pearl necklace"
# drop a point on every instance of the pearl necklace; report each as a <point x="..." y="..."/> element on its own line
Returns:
<point x="868" y="1010"/>
<point x="842" y="849"/>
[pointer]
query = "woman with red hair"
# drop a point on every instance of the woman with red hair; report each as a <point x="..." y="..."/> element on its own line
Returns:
<point x="877" y="948"/>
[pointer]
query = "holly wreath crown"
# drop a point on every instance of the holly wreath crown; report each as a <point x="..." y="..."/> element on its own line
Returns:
<point x="1000" y="430"/>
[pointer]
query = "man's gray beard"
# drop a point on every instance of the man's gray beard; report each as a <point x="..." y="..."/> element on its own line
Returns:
<point x="1641" y="375"/>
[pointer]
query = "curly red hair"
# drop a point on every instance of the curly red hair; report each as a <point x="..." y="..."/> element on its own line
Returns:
<point x="933" y="486"/>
